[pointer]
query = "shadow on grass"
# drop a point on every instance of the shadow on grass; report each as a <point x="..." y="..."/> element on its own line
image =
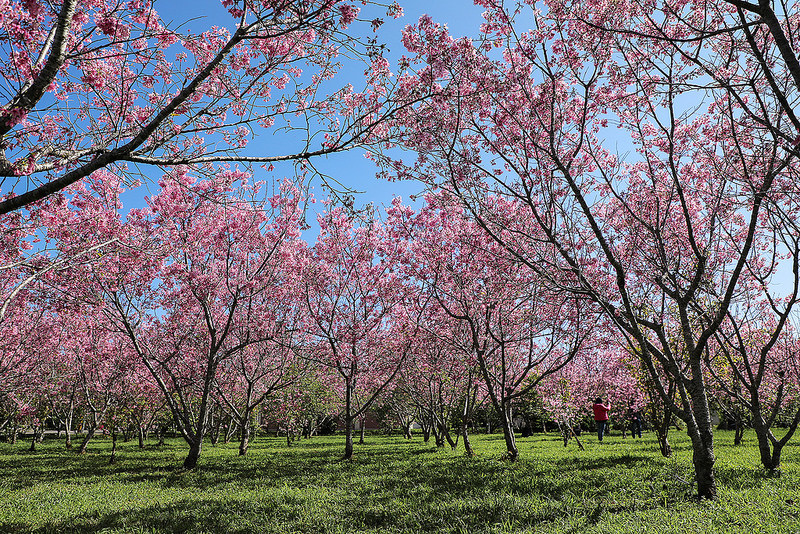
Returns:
<point x="391" y="484"/>
<point x="186" y="516"/>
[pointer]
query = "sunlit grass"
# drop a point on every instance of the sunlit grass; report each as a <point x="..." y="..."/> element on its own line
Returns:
<point x="393" y="486"/>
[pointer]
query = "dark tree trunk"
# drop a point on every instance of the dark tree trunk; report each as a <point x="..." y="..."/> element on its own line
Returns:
<point x="140" y="432"/>
<point x="770" y="456"/>
<point x="113" y="447"/>
<point x="437" y="436"/>
<point x="37" y="437"/>
<point x="738" y="431"/>
<point x="86" y="439"/>
<point x="769" y="447"/>
<point x="467" y="445"/>
<point x="450" y="441"/>
<point x="662" y="433"/>
<point x="361" y="433"/>
<point x="349" y="420"/>
<point x="194" y="454"/>
<point x="348" y="439"/>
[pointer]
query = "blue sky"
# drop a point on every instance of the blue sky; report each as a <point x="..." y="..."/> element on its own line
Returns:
<point x="351" y="169"/>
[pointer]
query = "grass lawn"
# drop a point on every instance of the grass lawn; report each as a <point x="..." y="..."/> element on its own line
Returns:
<point x="394" y="486"/>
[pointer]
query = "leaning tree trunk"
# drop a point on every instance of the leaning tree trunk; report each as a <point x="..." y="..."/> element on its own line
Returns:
<point x="233" y="426"/>
<point x="467" y="445"/>
<point x="437" y="435"/>
<point x="445" y="432"/>
<point x="86" y="439"/>
<point x="508" y="430"/>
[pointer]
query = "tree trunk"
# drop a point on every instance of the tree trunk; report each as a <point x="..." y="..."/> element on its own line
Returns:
<point x="577" y="440"/>
<point x="140" y="436"/>
<point x="467" y="445"/>
<point x="769" y="448"/>
<point x="216" y="428"/>
<point x="738" y="431"/>
<point x="68" y="424"/>
<point x="113" y="447"/>
<point x="37" y="434"/>
<point x="233" y="426"/>
<point x="770" y="456"/>
<point x="85" y="442"/>
<point x="194" y="453"/>
<point x="701" y="433"/>
<point x="662" y="433"/>
<point x="437" y="435"/>
<point x="362" y="421"/>
<point x="245" y="441"/>
<point x="348" y="439"/>
<point x="508" y="431"/>
<point x="453" y="443"/>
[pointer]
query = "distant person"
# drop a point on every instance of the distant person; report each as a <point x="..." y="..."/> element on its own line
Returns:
<point x="601" y="417"/>
<point x="635" y="418"/>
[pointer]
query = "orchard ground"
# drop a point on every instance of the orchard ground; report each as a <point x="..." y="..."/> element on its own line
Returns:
<point x="393" y="485"/>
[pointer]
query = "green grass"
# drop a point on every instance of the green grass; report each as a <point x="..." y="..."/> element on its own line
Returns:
<point x="394" y="486"/>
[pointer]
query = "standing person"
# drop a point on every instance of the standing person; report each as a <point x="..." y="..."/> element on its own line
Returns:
<point x="601" y="416"/>
<point x="636" y="422"/>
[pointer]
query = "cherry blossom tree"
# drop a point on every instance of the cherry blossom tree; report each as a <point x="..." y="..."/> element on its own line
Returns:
<point x="263" y="369"/>
<point x="359" y="310"/>
<point x="755" y="366"/>
<point x="659" y="238"/>
<point x="109" y="89"/>
<point x="197" y="257"/>
<point x="510" y="326"/>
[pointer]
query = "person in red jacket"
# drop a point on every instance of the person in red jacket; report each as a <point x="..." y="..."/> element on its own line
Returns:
<point x="601" y="416"/>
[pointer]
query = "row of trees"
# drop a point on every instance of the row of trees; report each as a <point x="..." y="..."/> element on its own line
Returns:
<point x="671" y="239"/>
<point x="208" y="304"/>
